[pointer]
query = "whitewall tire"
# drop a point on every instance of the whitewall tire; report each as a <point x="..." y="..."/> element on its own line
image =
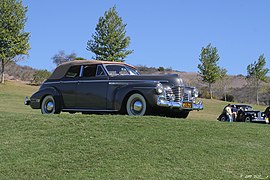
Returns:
<point x="136" y="105"/>
<point x="48" y="105"/>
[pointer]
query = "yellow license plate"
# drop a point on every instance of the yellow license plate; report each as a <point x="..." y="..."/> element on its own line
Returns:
<point x="187" y="105"/>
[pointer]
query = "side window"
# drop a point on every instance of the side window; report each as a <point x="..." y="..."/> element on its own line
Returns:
<point x="73" y="72"/>
<point x="89" y="71"/>
<point x="100" y="71"/>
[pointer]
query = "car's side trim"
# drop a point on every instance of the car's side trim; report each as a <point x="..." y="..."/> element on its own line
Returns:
<point x="118" y="83"/>
<point x="152" y="87"/>
<point x="113" y="82"/>
<point x="92" y="81"/>
<point x="52" y="82"/>
<point x="68" y="82"/>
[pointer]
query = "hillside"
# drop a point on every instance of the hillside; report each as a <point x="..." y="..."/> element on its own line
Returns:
<point x="14" y="71"/>
<point x="193" y="78"/>
<point x="77" y="146"/>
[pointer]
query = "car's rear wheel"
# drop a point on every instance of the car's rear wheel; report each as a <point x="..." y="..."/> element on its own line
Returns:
<point x="136" y="105"/>
<point x="247" y="119"/>
<point x="48" y="105"/>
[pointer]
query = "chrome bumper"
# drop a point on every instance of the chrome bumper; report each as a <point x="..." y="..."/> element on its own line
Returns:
<point x="259" y="119"/>
<point x="27" y="101"/>
<point x="164" y="103"/>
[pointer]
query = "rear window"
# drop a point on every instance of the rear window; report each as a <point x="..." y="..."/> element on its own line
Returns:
<point x="73" y="72"/>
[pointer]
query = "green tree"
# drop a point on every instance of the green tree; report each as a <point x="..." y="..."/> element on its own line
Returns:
<point x="257" y="72"/>
<point x="39" y="76"/>
<point x="13" y="40"/>
<point x="162" y="69"/>
<point x="110" y="42"/>
<point x="209" y="69"/>
<point x="62" y="57"/>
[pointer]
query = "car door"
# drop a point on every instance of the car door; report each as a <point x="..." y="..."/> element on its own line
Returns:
<point x="92" y="88"/>
<point x="68" y="86"/>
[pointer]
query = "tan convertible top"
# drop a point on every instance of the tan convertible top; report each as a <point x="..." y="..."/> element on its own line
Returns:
<point x="62" y="69"/>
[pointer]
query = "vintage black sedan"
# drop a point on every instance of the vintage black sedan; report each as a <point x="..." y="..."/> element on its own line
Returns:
<point x="245" y="113"/>
<point x="91" y="86"/>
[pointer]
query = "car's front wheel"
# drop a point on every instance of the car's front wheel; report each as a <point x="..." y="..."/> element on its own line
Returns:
<point x="136" y="105"/>
<point x="223" y="118"/>
<point x="48" y="105"/>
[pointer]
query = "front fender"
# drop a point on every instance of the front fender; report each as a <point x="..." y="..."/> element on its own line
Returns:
<point x="122" y="93"/>
<point x="36" y="98"/>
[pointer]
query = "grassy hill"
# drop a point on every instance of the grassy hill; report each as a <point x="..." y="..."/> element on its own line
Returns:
<point x="35" y="146"/>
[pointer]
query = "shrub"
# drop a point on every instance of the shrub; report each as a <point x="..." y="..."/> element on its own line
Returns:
<point x="39" y="76"/>
<point x="204" y="93"/>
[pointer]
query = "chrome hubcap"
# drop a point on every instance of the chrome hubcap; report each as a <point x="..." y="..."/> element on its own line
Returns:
<point x="49" y="106"/>
<point x="137" y="106"/>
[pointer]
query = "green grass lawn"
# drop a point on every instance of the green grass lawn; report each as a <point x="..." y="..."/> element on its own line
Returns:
<point x="65" y="146"/>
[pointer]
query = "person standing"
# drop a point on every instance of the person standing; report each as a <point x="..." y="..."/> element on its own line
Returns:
<point x="267" y="114"/>
<point x="228" y="110"/>
<point x="234" y="112"/>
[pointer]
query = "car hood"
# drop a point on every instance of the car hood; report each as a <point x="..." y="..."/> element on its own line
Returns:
<point x="169" y="79"/>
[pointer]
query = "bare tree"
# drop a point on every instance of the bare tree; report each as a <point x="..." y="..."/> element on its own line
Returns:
<point x="62" y="57"/>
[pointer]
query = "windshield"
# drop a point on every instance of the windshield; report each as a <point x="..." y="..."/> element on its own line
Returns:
<point x="244" y="107"/>
<point x="115" y="70"/>
<point x="248" y="108"/>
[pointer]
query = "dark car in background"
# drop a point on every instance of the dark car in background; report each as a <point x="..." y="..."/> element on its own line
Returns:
<point x="103" y="86"/>
<point x="245" y="113"/>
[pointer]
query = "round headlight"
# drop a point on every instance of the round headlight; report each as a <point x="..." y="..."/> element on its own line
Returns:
<point x="159" y="88"/>
<point x="195" y="92"/>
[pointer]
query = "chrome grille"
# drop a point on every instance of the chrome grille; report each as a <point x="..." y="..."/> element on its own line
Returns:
<point x="168" y="94"/>
<point x="178" y="92"/>
<point x="186" y="97"/>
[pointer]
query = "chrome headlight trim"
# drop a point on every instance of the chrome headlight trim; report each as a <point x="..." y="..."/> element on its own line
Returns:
<point x="159" y="88"/>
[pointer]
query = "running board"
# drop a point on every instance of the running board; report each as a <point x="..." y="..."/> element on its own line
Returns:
<point x="89" y="110"/>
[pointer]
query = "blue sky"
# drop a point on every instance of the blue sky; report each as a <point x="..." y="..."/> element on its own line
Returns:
<point x="163" y="33"/>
